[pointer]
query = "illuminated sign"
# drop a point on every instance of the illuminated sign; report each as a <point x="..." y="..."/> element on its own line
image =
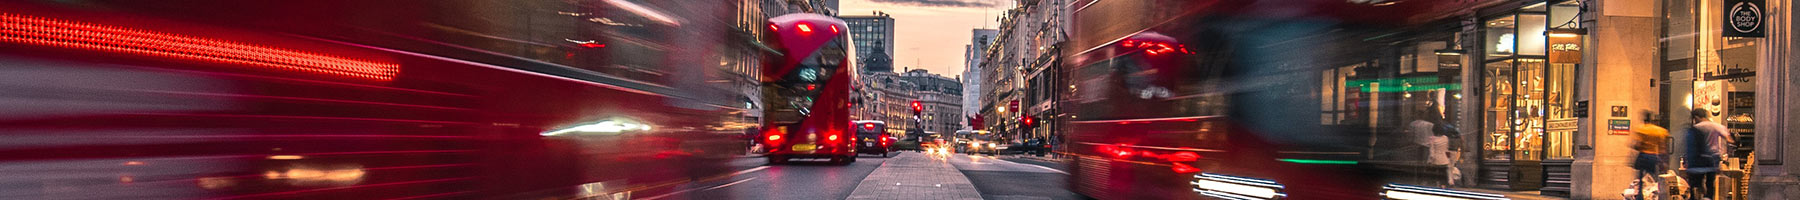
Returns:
<point x="1565" y="48"/>
<point x="1743" y="18"/>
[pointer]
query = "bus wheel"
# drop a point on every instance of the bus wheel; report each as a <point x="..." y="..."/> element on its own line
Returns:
<point x="851" y="159"/>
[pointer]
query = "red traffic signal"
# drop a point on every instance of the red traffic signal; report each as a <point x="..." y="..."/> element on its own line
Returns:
<point x="917" y="107"/>
<point x="1029" y="121"/>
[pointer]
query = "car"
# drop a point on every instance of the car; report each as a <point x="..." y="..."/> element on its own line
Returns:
<point x="1035" y="147"/>
<point x="907" y="144"/>
<point x="982" y="147"/>
<point x="872" y="138"/>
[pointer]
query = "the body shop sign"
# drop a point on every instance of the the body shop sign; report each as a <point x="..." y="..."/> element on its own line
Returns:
<point x="1743" y="18"/>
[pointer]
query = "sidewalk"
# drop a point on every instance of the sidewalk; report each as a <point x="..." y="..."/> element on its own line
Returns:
<point x="915" y="176"/>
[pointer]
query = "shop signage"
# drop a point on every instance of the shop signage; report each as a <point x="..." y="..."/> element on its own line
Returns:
<point x="1743" y="18"/>
<point x="1619" y="126"/>
<point x="1557" y="125"/>
<point x="1620" y="111"/>
<point x="1581" y="108"/>
<point x="1565" y="48"/>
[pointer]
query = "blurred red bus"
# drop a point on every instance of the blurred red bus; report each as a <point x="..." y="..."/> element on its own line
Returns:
<point x="1179" y="99"/>
<point x="341" y="99"/>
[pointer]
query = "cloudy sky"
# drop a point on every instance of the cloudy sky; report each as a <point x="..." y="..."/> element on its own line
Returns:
<point x="930" y="34"/>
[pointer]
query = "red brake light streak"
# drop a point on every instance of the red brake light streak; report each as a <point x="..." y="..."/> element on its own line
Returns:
<point x="39" y="31"/>
<point x="805" y="29"/>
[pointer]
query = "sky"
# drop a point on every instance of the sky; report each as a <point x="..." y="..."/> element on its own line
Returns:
<point x="930" y="34"/>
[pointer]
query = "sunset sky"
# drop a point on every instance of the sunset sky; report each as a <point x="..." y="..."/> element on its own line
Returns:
<point x="930" y="34"/>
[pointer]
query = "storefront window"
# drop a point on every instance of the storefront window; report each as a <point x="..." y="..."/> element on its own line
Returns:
<point x="1723" y="72"/>
<point x="1526" y="100"/>
<point x="1528" y="109"/>
<point x="1560" y="122"/>
<point x="1500" y="39"/>
<point x="1497" y="101"/>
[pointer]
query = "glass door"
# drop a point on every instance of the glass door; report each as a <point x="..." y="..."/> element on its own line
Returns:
<point x="1518" y="99"/>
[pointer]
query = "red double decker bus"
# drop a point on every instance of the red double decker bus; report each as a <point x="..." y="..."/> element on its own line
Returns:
<point x="808" y="90"/>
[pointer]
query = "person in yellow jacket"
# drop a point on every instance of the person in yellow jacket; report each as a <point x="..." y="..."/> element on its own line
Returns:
<point x="1651" y="143"/>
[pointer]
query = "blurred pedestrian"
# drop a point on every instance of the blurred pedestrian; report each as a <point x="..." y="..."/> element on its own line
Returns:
<point x="1705" y="149"/>
<point x="1651" y="141"/>
<point x="1424" y="127"/>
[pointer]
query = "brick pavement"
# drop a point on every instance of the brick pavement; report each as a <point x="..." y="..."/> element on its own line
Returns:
<point x="915" y="176"/>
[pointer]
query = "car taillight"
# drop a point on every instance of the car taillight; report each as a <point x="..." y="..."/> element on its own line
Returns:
<point x="832" y="137"/>
<point x="774" y="137"/>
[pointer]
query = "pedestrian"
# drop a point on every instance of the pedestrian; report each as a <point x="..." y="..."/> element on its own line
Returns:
<point x="1705" y="149"/>
<point x="1651" y="143"/>
<point x="1437" y="145"/>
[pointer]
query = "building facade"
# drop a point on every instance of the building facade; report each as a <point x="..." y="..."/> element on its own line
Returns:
<point x="941" y="98"/>
<point x="887" y="97"/>
<point x="973" y="55"/>
<point x="1018" y="65"/>
<point x="873" y="33"/>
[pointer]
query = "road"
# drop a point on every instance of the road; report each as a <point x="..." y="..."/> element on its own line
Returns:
<point x="908" y="175"/>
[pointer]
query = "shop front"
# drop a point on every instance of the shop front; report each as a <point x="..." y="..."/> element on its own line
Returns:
<point x="1710" y="61"/>
<point x="1527" y="96"/>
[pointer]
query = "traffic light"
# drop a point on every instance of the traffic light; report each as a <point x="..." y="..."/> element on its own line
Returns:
<point x="917" y="108"/>
<point x="1028" y="121"/>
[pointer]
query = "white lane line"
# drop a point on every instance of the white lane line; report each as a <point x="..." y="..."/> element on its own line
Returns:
<point x="729" y="184"/>
<point x="1037" y="166"/>
<point x="714" y="187"/>
<point x="749" y="170"/>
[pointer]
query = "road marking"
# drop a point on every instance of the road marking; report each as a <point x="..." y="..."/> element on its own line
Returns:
<point x="749" y="170"/>
<point x="714" y="187"/>
<point x="729" y="184"/>
<point x="1037" y="166"/>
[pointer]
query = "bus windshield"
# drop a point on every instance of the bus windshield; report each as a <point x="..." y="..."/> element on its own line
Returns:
<point x="790" y="98"/>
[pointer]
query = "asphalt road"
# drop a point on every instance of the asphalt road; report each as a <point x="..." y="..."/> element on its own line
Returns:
<point x="994" y="178"/>
<point x="998" y="178"/>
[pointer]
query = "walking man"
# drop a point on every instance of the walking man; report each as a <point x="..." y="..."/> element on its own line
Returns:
<point x="1651" y="142"/>
<point x="1705" y="149"/>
